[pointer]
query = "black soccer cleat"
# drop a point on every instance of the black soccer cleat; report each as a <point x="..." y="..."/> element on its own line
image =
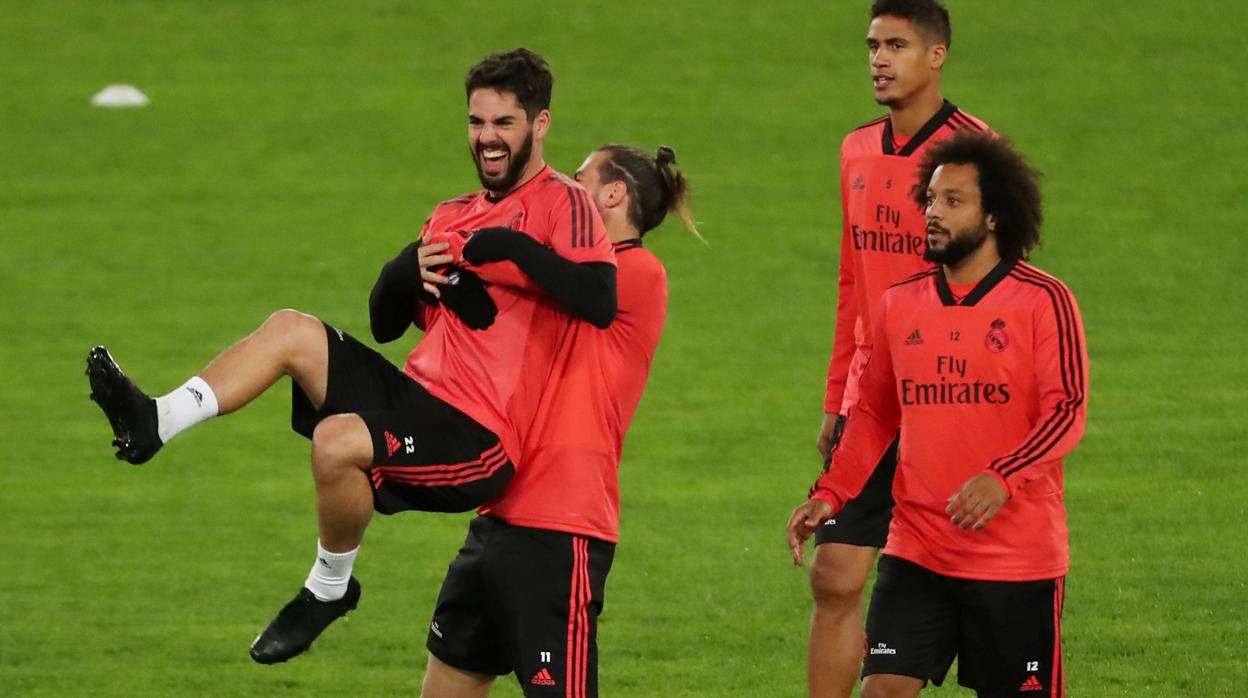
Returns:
<point x="299" y="623"/>
<point x="130" y="412"/>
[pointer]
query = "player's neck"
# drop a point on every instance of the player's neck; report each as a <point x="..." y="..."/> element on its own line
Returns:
<point x="536" y="164"/>
<point x="909" y="117"/>
<point x="619" y="232"/>
<point x="974" y="266"/>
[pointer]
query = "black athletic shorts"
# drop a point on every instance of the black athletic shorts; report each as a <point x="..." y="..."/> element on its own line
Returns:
<point x="1006" y="635"/>
<point x="864" y="519"/>
<point x="427" y="455"/>
<point x="524" y="601"/>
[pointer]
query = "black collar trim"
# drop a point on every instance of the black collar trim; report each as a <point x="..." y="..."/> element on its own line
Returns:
<point x="986" y="284"/>
<point x="933" y="124"/>
<point x="630" y="244"/>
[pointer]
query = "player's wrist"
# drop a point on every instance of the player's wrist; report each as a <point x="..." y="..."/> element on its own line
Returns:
<point x="1005" y="484"/>
<point x="825" y="496"/>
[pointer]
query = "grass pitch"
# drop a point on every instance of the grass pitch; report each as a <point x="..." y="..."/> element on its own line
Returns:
<point x="291" y="148"/>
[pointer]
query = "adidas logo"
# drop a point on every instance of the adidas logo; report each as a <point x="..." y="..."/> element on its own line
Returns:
<point x="199" y="397"/>
<point x="1031" y="684"/>
<point x="859" y="183"/>
<point x="392" y="444"/>
<point x="543" y="678"/>
<point x="914" y="338"/>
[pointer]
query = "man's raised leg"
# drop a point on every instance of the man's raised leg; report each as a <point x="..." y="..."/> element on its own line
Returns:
<point x="287" y="343"/>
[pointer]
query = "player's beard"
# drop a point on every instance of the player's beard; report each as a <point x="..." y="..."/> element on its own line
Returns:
<point x="502" y="183"/>
<point x="960" y="246"/>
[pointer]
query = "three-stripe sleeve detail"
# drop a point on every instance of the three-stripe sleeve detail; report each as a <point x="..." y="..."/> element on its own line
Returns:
<point x="582" y="217"/>
<point x="1070" y="355"/>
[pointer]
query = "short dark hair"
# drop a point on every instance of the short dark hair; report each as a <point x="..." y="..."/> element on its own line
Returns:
<point x="1009" y="188"/>
<point x="654" y="185"/>
<point x="929" y="17"/>
<point x="520" y="72"/>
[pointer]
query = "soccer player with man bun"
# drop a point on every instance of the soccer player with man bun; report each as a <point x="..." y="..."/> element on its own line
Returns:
<point x="524" y="594"/>
<point x="882" y="242"/>
<point x="981" y="363"/>
<point x="437" y="435"/>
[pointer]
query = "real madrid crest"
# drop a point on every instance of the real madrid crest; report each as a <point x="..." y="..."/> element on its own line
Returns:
<point x="997" y="340"/>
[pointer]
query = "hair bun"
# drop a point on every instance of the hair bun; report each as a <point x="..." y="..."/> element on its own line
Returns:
<point x="665" y="156"/>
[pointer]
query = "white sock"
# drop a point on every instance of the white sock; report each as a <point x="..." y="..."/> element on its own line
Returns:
<point x="330" y="573"/>
<point x="185" y="407"/>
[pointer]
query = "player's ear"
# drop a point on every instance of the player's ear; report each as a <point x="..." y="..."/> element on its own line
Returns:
<point x="937" y="54"/>
<point x="616" y="194"/>
<point x="990" y="222"/>
<point x="541" y="124"/>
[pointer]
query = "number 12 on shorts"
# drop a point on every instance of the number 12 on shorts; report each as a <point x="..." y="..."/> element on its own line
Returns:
<point x="1033" y="666"/>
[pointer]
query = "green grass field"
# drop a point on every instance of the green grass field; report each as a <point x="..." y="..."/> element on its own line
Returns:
<point x="291" y="148"/>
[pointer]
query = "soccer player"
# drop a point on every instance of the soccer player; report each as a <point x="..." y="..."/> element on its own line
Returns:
<point x="524" y="594"/>
<point x="435" y="436"/>
<point x="881" y="243"/>
<point x="981" y="362"/>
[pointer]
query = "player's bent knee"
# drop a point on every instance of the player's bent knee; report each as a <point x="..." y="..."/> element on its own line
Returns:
<point x="340" y="441"/>
<point x="837" y="577"/>
<point x="293" y="327"/>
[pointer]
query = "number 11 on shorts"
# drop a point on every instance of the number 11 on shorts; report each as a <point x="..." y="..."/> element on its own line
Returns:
<point x="545" y="657"/>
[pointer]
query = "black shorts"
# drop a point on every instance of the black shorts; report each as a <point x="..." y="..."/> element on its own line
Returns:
<point x="524" y="601"/>
<point x="864" y="519"/>
<point x="1006" y="635"/>
<point x="427" y="455"/>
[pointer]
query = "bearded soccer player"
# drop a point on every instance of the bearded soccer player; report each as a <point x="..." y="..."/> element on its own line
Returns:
<point x="982" y="364"/>
<point x="881" y="243"/>
<point x="524" y="594"/>
<point x="436" y="435"/>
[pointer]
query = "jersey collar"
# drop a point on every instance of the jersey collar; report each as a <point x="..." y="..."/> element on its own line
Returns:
<point x="933" y="124"/>
<point x="986" y="284"/>
<point x="630" y="244"/>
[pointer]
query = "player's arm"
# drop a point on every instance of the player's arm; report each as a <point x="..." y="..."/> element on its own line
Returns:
<point x="405" y="287"/>
<point x="1061" y="365"/>
<point x="870" y="428"/>
<point x="843" y="344"/>
<point x="586" y="289"/>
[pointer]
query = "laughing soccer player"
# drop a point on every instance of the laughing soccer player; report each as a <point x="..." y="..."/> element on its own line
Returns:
<point x="436" y="435"/>
<point x="524" y="594"/>
<point x="981" y="362"/>
<point x="881" y="244"/>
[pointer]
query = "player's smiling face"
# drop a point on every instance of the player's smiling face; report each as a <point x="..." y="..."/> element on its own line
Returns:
<point x="956" y="223"/>
<point x="501" y="138"/>
<point x="902" y="64"/>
